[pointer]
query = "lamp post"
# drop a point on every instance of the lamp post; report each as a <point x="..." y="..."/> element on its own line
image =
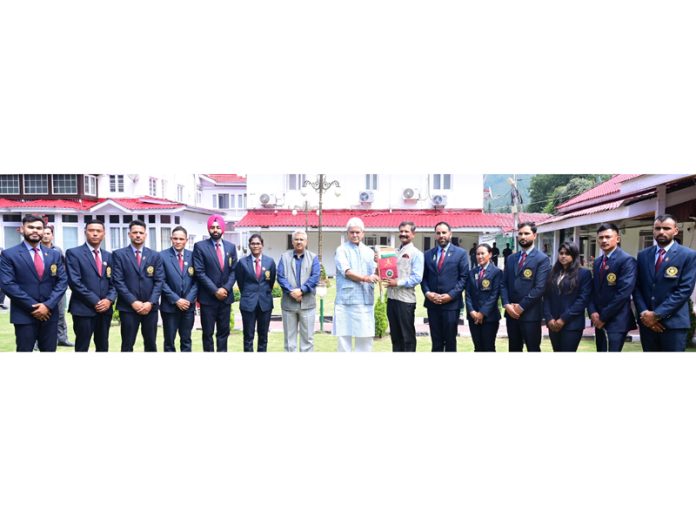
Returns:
<point x="321" y="185"/>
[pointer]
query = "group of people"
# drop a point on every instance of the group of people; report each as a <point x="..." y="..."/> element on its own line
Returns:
<point x="144" y="284"/>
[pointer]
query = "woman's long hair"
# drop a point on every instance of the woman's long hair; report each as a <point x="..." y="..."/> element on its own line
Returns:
<point x="571" y="275"/>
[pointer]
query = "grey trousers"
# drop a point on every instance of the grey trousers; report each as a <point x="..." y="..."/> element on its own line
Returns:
<point x="62" y="325"/>
<point x="302" y="322"/>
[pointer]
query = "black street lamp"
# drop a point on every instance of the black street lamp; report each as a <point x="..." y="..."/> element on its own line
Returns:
<point x="321" y="185"/>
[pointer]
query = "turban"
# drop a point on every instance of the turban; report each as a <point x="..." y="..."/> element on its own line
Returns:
<point x="219" y="220"/>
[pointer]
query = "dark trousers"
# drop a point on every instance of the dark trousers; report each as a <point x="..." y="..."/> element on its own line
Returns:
<point x="181" y="322"/>
<point x="483" y="335"/>
<point x="522" y="333"/>
<point x="668" y="341"/>
<point x="402" y="325"/>
<point x="443" y="329"/>
<point x="130" y="322"/>
<point x="215" y="316"/>
<point x="257" y="320"/>
<point x="43" y="332"/>
<point x="86" y="327"/>
<point x="565" y="340"/>
<point x="614" y="340"/>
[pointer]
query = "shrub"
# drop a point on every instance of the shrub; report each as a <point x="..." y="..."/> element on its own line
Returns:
<point x="116" y="318"/>
<point x="231" y="320"/>
<point x="380" y="317"/>
<point x="277" y="291"/>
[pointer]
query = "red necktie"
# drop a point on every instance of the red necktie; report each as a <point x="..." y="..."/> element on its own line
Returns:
<point x="603" y="267"/>
<point x="38" y="263"/>
<point x="98" y="262"/>
<point x="480" y="277"/>
<point x="660" y="258"/>
<point x="181" y="263"/>
<point x="137" y="257"/>
<point x="441" y="261"/>
<point x="522" y="259"/>
<point x="219" y="254"/>
<point x="258" y="268"/>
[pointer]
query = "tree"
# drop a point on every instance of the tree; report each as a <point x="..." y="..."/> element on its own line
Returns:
<point x="548" y="191"/>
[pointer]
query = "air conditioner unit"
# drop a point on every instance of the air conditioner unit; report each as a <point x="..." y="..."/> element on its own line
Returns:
<point x="265" y="200"/>
<point x="439" y="201"/>
<point x="409" y="194"/>
<point x="366" y="197"/>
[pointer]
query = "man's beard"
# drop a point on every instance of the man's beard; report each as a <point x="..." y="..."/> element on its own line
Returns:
<point x="215" y="236"/>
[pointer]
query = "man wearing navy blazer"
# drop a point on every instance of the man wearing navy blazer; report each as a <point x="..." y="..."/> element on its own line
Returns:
<point x="524" y="282"/>
<point x="93" y="292"/>
<point x="214" y="261"/>
<point x="445" y="272"/>
<point x="179" y="292"/>
<point x="256" y="275"/>
<point x="613" y="281"/>
<point x="138" y="277"/>
<point x="34" y="279"/>
<point x="666" y="276"/>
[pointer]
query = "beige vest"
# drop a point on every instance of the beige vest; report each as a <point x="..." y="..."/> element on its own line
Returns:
<point x="404" y="265"/>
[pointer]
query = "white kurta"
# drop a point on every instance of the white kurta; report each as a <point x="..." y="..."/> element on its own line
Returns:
<point x="354" y="307"/>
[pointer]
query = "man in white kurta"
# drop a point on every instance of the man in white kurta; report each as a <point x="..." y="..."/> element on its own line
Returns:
<point x="355" y="291"/>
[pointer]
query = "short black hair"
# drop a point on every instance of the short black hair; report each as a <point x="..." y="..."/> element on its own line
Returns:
<point x="136" y="222"/>
<point x="443" y="223"/>
<point x="32" y="218"/>
<point x="180" y="229"/>
<point x="666" y="217"/>
<point x="530" y="224"/>
<point x="94" y="221"/>
<point x="608" y="226"/>
<point x="408" y="223"/>
<point x="486" y="246"/>
<point x="256" y="236"/>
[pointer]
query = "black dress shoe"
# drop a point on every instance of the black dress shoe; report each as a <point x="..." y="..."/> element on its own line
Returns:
<point x="65" y="343"/>
<point x="3" y="306"/>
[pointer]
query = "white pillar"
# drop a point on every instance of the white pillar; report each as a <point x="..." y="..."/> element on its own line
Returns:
<point x="556" y="245"/>
<point x="576" y="235"/>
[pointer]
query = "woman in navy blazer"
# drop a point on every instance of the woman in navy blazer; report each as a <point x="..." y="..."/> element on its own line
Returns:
<point x="482" y="292"/>
<point x="567" y="295"/>
<point x="256" y="290"/>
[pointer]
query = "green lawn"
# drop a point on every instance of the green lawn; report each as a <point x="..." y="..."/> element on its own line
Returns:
<point x="322" y="342"/>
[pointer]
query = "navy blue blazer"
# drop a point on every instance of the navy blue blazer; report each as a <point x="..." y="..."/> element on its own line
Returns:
<point x="526" y="286"/>
<point x="611" y="291"/>
<point x="483" y="296"/>
<point x="177" y="284"/>
<point x="255" y="292"/>
<point x="135" y="283"/>
<point x="21" y="283"/>
<point x="667" y="293"/>
<point x="88" y="287"/>
<point x="210" y="276"/>
<point x="569" y="306"/>
<point x="451" y="280"/>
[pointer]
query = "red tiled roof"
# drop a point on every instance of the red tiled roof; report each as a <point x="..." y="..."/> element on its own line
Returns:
<point x="147" y="203"/>
<point x="605" y="189"/>
<point x="456" y="218"/>
<point x="227" y="178"/>
<point x="49" y="204"/>
<point x="585" y="211"/>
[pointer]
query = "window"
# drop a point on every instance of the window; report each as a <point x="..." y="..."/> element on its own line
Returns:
<point x="118" y="237"/>
<point x="114" y="219"/>
<point x="127" y="219"/>
<point x="36" y="184"/>
<point x="180" y="193"/>
<point x="427" y="243"/>
<point x="442" y="181"/>
<point x="9" y="184"/>
<point x="223" y="201"/>
<point x="646" y="239"/>
<point x="289" y="246"/>
<point x="151" y="219"/>
<point x="152" y="239"/>
<point x="90" y="185"/>
<point x="242" y="201"/>
<point x="371" y="181"/>
<point x="116" y="183"/>
<point x="73" y="218"/>
<point x="65" y="184"/>
<point x="165" y="219"/>
<point x="177" y="219"/>
<point x="12" y="217"/>
<point x="12" y="235"/>
<point x="165" y="237"/>
<point x="69" y="237"/>
<point x="295" y="181"/>
<point x="164" y="188"/>
<point x="153" y="187"/>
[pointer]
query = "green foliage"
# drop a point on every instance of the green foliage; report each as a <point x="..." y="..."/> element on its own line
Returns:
<point x="231" y="320"/>
<point x="548" y="191"/>
<point x="237" y="294"/>
<point x="693" y="324"/>
<point x="277" y="291"/>
<point x="323" y="278"/>
<point x="116" y="318"/>
<point x="380" y="317"/>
